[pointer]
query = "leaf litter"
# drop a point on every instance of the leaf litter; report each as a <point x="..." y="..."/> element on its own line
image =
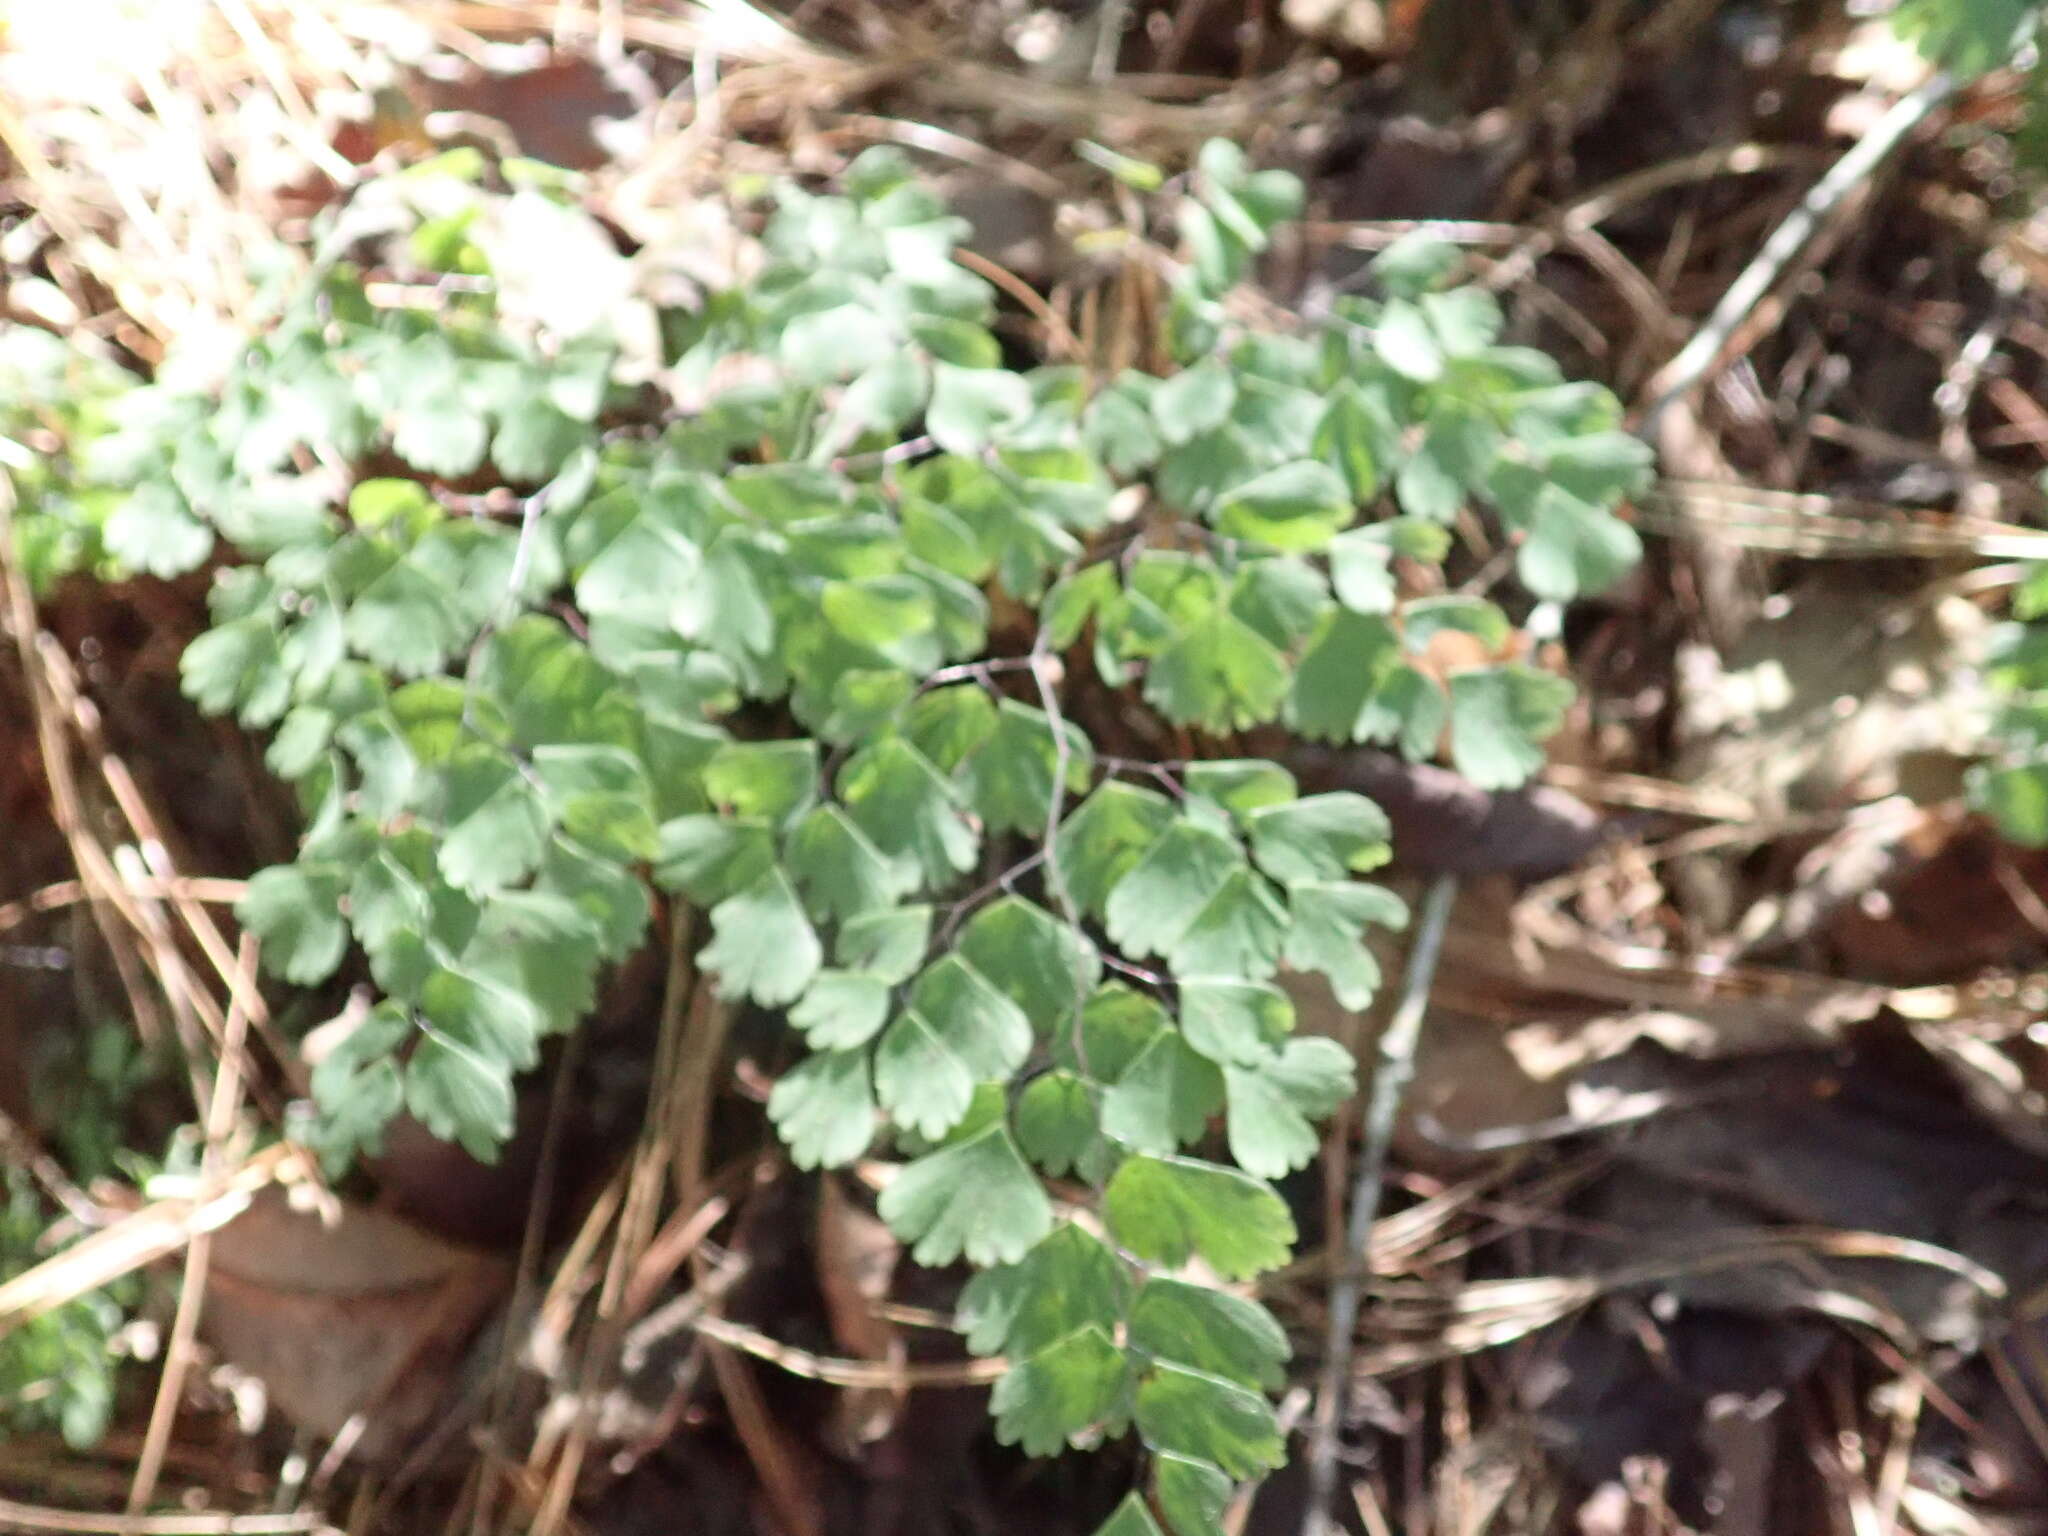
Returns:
<point x="1837" y="1083"/>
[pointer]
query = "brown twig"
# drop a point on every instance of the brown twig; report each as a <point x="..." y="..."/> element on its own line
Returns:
<point x="1063" y="341"/>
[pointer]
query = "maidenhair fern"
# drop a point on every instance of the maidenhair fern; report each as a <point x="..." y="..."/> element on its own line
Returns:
<point x="499" y="607"/>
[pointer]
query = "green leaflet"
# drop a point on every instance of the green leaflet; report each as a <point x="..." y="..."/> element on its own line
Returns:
<point x="1241" y="786"/>
<point x="2012" y="785"/>
<point x="1056" y="1393"/>
<point x="1220" y="674"/>
<point x="1968" y="36"/>
<point x="1206" y="1418"/>
<point x="1327" y="933"/>
<point x="2017" y="798"/>
<point x="1238" y="932"/>
<point x="153" y="531"/>
<point x="1323" y="837"/>
<point x="1407" y="344"/>
<point x="1155" y="904"/>
<point x="974" y="1197"/>
<point x="887" y="944"/>
<point x="972" y="407"/>
<point x="710" y="857"/>
<point x="1170" y="1209"/>
<point x="292" y="909"/>
<point x="1056" y="1122"/>
<point x="1100" y="842"/>
<point x="771" y="779"/>
<point x="1234" y="1021"/>
<point x="1013" y="776"/>
<point x="1497" y="716"/>
<point x="496" y="825"/>
<point x="602" y="796"/>
<point x="909" y="810"/>
<point x="1282" y="599"/>
<point x="1340" y="675"/>
<point x="842" y="1009"/>
<point x="637" y="560"/>
<point x="1068" y="1281"/>
<point x="958" y="1031"/>
<point x="1295" y="506"/>
<point x="540" y="946"/>
<point x="614" y="898"/>
<point x="1209" y="1330"/>
<point x="763" y="946"/>
<point x="1193" y="401"/>
<point x="460" y="1094"/>
<point x="1032" y="958"/>
<point x="825" y="1109"/>
<point x="1131" y="1518"/>
<point x="482" y="1017"/>
<point x="1192" y="1494"/>
<point x="841" y="874"/>
<point x="949" y="725"/>
<point x="1118" y="427"/>
<point x="1163" y="1099"/>
<point x="1276" y="1100"/>
<point x="358" y="1086"/>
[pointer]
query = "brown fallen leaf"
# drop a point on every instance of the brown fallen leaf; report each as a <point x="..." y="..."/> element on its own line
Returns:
<point x="1444" y="824"/>
<point x="1526" y="1002"/>
<point x="566" y="109"/>
<point x="368" y="1316"/>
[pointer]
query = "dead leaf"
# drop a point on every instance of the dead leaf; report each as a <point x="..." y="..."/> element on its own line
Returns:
<point x="1444" y="824"/>
<point x="568" y="110"/>
<point x="1526" y="1002"/>
<point x="368" y="1316"/>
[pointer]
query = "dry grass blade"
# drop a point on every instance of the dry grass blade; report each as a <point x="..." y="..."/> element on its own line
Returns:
<point x="1909" y="1395"/>
<point x="789" y="1492"/>
<point x="34" y="1517"/>
<point x="660" y="1157"/>
<point x="1820" y="527"/>
<point x="70" y="893"/>
<point x="1430" y="1323"/>
<point x="20" y="1150"/>
<point x="733" y="28"/>
<point x="129" y="885"/>
<point x="953" y="146"/>
<point x="2012" y="1382"/>
<point x="1749" y="1007"/>
<point x="1640" y="792"/>
<point x="220" y="1118"/>
<point x="151" y="847"/>
<point x="113" y="908"/>
<point x="141" y="1238"/>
